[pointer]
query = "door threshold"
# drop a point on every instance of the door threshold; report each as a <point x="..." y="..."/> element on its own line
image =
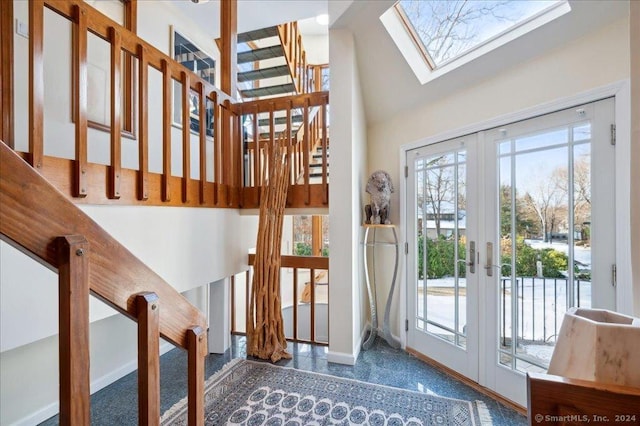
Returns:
<point x="476" y="386"/>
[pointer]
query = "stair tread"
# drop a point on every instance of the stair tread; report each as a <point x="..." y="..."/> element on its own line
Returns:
<point x="259" y="74"/>
<point x="277" y="135"/>
<point x="258" y="34"/>
<point x="280" y="120"/>
<point x="260" y="54"/>
<point x="268" y="90"/>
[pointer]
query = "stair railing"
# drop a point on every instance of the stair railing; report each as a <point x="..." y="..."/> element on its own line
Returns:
<point x="211" y="118"/>
<point x="301" y="142"/>
<point x="295" y="55"/>
<point x="221" y="178"/>
<point x="40" y="221"/>
<point x="303" y="329"/>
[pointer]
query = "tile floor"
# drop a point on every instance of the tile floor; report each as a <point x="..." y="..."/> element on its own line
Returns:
<point x="117" y="403"/>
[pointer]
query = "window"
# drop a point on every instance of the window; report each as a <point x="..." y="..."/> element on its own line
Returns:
<point x="439" y="35"/>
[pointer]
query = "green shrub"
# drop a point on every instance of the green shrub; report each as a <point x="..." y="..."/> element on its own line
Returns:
<point x="554" y="262"/>
<point x="440" y="257"/>
<point x="304" y="249"/>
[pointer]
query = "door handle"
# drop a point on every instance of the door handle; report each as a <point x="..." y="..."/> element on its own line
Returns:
<point x="489" y="265"/>
<point x="472" y="256"/>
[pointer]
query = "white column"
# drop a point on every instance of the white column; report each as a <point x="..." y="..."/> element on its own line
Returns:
<point x="219" y="321"/>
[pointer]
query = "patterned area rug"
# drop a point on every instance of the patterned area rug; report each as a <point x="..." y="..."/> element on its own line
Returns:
<point x="258" y="393"/>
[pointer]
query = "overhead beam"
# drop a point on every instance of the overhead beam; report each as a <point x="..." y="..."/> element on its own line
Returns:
<point x="229" y="46"/>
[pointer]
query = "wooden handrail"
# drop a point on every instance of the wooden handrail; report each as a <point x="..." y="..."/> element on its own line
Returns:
<point x="301" y="141"/>
<point x="93" y="183"/>
<point x="85" y="19"/>
<point x="33" y="216"/>
<point x="34" y="213"/>
<point x="311" y="263"/>
<point x="303" y="262"/>
<point x="294" y="53"/>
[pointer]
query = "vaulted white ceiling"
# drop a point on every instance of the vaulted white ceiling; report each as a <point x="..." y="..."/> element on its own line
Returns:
<point x="388" y="84"/>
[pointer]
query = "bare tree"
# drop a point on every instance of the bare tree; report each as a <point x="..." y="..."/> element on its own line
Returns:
<point x="440" y="189"/>
<point x="578" y="187"/>
<point x="448" y="28"/>
<point x="548" y="202"/>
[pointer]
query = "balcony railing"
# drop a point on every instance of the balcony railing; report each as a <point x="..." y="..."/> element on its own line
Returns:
<point x="301" y="124"/>
<point x="539" y="305"/>
<point x="304" y="294"/>
<point x="216" y="163"/>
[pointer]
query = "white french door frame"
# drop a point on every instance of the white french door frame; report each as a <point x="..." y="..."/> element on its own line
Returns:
<point x="621" y="93"/>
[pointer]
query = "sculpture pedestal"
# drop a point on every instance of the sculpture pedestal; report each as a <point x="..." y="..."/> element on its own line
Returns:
<point x="371" y="285"/>
<point x="598" y="345"/>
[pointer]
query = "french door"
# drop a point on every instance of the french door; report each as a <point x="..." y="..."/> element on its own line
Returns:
<point x="507" y="229"/>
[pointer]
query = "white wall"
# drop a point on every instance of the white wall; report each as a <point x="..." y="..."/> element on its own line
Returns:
<point x="188" y="247"/>
<point x="634" y="22"/>
<point x="595" y="60"/>
<point x="348" y="151"/>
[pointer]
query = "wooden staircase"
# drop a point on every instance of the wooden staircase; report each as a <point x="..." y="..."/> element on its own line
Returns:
<point x="263" y="60"/>
<point x="40" y="221"/>
<point x="272" y="64"/>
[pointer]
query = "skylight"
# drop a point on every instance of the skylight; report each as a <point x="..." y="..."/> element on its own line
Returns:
<point x="447" y="33"/>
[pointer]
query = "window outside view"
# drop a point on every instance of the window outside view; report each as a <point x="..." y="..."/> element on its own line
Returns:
<point x="447" y="29"/>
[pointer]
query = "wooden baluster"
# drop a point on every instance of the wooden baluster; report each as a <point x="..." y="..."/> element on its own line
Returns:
<point x="186" y="135"/>
<point x="289" y="138"/>
<point x="202" y="108"/>
<point x="238" y="158"/>
<point x="166" y="130"/>
<point x="73" y="299"/>
<point x="143" y="124"/>
<point x="227" y="148"/>
<point x="80" y="101"/>
<point x="306" y="149"/>
<point x="116" y="143"/>
<point x="197" y="351"/>
<point x="148" y="315"/>
<point x="7" y="113"/>
<point x="272" y="139"/>
<point x="217" y="153"/>
<point x="256" y="152"/>
<point x="303" y="72"/>
<point x="130" y="23"/>
<point x="36" y="84"/>
<point x="325" y="145"/>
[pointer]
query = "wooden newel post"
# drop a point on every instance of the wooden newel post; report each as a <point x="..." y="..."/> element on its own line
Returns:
<point x="73" y="299"/>
<point x="197" y="348"/>
<point x="148" y="312"/>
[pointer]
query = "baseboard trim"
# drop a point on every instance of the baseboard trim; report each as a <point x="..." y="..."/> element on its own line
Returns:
<point x="341" y="358"/>
<point x="483" y="390"/>
<point x="101" y="382"/>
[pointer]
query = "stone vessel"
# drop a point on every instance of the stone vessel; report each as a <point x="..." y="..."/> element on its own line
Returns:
<point x="598" y="345"/>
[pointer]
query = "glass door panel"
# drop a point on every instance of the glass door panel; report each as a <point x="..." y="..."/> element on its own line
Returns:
<point x="440" y="232"/>
<point x="548" y="202"/>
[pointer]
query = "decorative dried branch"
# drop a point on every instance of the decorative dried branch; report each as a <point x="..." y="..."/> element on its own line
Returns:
<point x="265" y="326"/>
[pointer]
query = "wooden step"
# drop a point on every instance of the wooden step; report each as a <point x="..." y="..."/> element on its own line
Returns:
<point x="257" y="34"/>
<point x="260" y="54"/>
<point x="277" y="135"/>
<point x="280" y="120"/>
<point x="280" y="89"/>
<point x="259" y="74"/>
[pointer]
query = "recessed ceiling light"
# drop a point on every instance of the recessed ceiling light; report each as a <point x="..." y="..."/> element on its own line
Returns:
<point x="322" y="19"/>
